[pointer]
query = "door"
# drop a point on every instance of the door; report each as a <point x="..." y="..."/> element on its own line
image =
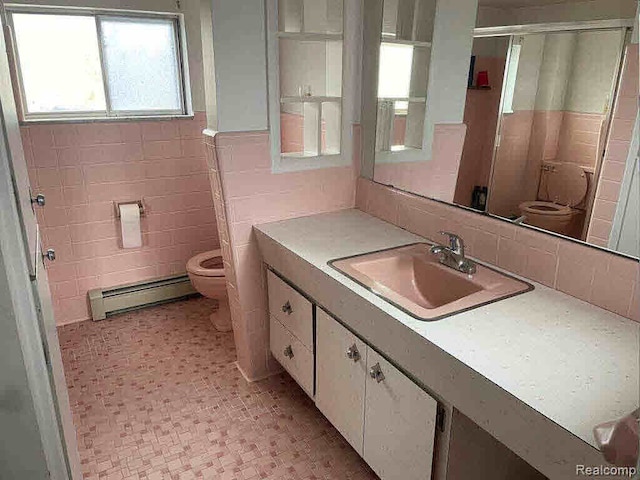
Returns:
<point x="340" y="378"/>
<point x="399" y="423"/>
<point x="10" y="130"/>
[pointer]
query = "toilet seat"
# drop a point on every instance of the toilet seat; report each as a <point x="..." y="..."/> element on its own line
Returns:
<point x="567" y="184"/>
<point x="207" y="264"/>
<point x="545" y="208"/>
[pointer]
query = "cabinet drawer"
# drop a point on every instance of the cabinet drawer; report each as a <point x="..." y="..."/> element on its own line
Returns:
<point x="292" y="310"/>
<point x="292" y="355"/>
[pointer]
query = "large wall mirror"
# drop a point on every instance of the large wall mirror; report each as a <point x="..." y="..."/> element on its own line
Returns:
<point x="552" y="129"/>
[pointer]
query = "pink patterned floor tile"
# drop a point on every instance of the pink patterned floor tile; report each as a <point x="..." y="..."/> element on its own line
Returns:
<point x="156" y="394"/>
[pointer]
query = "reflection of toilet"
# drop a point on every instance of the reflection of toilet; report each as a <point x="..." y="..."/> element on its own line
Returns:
<point x="566" y="187"/>
<point x="206" y="272"/>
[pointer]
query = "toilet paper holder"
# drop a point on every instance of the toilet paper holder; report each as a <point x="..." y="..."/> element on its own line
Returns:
<point x="116" y="205"/>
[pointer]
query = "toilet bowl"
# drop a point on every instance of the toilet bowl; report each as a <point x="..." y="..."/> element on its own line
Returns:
<point x="547" y="215"/>
<point x="206" y="272"/>
<point x="566" y="187"/>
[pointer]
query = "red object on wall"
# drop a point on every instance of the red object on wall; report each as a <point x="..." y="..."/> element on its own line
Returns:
<point x="483" y="79"/>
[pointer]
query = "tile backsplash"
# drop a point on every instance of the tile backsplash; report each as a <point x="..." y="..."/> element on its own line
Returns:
<point x="83" y="168"/>
<point x="595" y="276"/>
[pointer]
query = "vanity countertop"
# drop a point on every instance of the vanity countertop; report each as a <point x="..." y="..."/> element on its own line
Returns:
<point x="560" y="364"/>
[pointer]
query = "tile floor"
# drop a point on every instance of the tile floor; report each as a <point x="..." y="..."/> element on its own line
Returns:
<point x="155" y="394"/>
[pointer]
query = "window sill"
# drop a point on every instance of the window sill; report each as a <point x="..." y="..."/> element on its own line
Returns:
<point x="131" y="118"/>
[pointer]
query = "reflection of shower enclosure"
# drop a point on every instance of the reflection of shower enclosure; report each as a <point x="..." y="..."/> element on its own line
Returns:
<point x="555" y="108"/>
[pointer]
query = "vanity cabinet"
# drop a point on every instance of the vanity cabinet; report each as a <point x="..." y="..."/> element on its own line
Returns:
<point x="400" y="423"/>
<point x="291" y="309"/>
<point x="387" y="418"/>
<point x="291" y="331"/>
<point x="341" y="369"/>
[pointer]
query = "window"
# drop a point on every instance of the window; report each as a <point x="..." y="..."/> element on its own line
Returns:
<point x="404" y="56"/>
<point x="98" y="65"/>
<point x="394" y="76"/>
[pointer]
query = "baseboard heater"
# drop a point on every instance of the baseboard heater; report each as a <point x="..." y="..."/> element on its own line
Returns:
<point x="132" y="296"/>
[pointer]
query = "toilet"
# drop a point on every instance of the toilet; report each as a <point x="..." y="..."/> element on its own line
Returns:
<point x="206" y="272"/>
<point x="566" y="187"/>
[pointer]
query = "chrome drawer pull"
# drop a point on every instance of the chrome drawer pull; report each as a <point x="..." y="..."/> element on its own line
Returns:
<point x="376" y="373"/>
<point x="353" y="353"/>
<point x="286" y="308"/>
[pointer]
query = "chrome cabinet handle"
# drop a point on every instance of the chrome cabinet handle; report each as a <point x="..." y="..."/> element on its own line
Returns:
<point x="353" y="353"/>
<point x="39" y="200"/>
<point x="288" y="352"/>
<point x="286" y="308"/>
<point x="376" y="373"/>
<point x="50" y="254"/>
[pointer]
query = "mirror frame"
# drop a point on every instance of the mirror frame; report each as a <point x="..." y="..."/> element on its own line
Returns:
<point x="367" y="165"/>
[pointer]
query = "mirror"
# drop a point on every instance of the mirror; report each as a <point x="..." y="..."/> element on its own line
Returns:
<point x="550" y="114"/>
<point x="397" y="54"/>
<point x="403" y="64"/>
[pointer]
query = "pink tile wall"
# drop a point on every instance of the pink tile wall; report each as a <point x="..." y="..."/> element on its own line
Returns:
<point x="619" y="142"/>
<point x="399" y="129"/>
<point x="603" y="279"/>
<point x="511" y="170"/>
<point x="435" y="178"/>
<point x="246" y="193"/>
<point x="481" y="118"/>
<point x="82" y="168"/>
<point x="579" y="138"/>
<point x="292" y="133"/>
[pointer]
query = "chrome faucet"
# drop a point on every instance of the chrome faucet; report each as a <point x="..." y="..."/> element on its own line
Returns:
<point x="453" y="255"/>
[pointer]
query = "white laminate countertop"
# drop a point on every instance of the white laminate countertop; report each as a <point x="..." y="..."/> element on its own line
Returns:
<point x="574" y="363"/>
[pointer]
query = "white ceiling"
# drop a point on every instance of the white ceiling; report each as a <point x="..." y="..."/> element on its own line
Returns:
<point x="521" y="3"/>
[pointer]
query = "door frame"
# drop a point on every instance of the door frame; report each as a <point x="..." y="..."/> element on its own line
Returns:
<point x="631" y="167"/>
<point x="24" y="313"/>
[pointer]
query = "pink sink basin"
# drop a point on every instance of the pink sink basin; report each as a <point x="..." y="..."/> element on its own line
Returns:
<point x="412" y="279"/>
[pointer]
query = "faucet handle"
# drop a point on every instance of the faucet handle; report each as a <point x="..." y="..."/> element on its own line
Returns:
<point x="456" y="244"/>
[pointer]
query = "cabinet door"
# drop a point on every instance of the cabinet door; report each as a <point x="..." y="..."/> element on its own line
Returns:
<point x="340" y="377"/>
<point x="400" y="421"/>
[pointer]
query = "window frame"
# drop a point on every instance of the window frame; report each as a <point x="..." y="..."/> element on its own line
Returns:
<point x="108" y="114"/>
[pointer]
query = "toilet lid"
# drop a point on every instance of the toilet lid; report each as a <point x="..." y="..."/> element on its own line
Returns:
<point x="567" y="184"/>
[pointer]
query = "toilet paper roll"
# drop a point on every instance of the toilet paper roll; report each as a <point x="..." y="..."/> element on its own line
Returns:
<point x="130" y="225"/>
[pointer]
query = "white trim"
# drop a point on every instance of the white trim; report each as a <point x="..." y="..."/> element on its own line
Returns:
<point x="309" y="36"/>
<point x="403" y="99"/>
<point x="312" y="99"/>
<point x="507" y="30"/>
<point x="129" y="118"/>
<point x="273" y="82"/>
<point x="399" y="41"/>
<point x="402" y="155"/>
<point x="291" y="163"/>
<point x="625" y="188"/>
